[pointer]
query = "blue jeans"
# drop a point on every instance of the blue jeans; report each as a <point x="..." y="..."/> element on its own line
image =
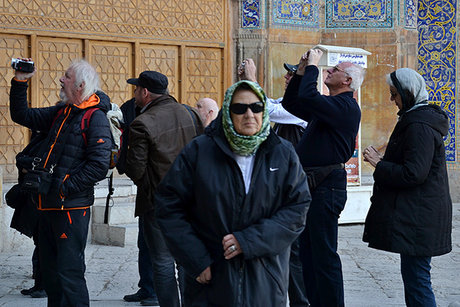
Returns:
<point x="415" y="273"/>
<point x="144" y="264"/>
<point x="322" y="268"/>
<point x="296" y="289"/>
<point x="164" y="274"/>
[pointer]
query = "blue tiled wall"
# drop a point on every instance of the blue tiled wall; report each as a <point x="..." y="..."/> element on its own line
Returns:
<point x="251" y="14"/>
<point x="410" y="14"/>
<point x="437" y="61"/>
<point x="300" y="13"/>
<point x="359" y="13"/>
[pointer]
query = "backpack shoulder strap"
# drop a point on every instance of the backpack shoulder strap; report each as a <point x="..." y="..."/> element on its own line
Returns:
<point x="85" y="122"/>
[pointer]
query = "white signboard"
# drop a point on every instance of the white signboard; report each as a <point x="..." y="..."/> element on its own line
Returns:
<point x="334" y="58"/>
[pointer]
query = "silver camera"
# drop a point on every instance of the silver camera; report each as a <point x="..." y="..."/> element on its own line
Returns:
<point x="23" y="66"/>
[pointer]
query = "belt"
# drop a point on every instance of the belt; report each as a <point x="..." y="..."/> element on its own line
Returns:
<point x="331" y="167"/>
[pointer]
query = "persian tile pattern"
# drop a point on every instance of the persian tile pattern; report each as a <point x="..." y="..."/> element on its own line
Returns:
<point x="359" y="14"/>
<point x="251" y="14"/>
<point x="297" y="13"/>
<point x="437" y="60"/>
<point x="410" y="14"/>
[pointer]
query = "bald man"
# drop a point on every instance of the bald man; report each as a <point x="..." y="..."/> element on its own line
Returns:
<point x="208" y="110"/>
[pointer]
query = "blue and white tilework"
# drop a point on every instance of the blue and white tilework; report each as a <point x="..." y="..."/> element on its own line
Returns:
<point x="359" y="14"/>
<point x="410" y="14"/>
<point x="251" y="14"/>
<point x="295" y="13"/>
<point x="437" y="61"/>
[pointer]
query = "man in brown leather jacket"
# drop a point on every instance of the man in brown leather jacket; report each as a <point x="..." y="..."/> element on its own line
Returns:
<point x="156" y="137"/>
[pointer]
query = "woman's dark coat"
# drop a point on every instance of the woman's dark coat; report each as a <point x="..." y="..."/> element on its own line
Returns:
<point x="202" y="198"/>
<point x="411" y="211"/>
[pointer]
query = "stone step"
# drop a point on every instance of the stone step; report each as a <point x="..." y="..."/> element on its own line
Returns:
<point x="122" y="227"/>
<point x="119" y="213"/>
<point x="124" y="190"/>
<point x="114" y="235"/>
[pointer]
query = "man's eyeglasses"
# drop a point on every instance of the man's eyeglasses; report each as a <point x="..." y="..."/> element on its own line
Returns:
<point x="337" y="68"/>
<point x="241" y="108"/>
<point x="291" y="73"/>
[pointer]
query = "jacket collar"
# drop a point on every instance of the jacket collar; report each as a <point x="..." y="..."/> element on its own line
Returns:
<point x="160" y="100"/>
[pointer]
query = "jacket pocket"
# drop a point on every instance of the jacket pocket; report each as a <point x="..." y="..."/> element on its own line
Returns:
<point x="272" y="273"/>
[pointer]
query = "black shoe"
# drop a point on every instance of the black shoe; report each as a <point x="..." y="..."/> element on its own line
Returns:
<point x="151" y="301"/>
<point x="30" y="290"/>
<point x="136" y="297"/>
<point x="38" y="294"/>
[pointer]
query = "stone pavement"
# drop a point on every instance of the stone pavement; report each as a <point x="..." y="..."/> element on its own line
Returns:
<point x="371" y="277"/>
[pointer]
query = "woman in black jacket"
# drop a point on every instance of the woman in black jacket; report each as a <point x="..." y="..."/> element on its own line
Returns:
<point x="231" y="205"/>
<point x="411" y="211"/>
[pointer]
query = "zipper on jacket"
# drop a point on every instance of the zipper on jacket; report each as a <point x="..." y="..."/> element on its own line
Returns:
<point x="51" y="150"/>
<point x="240" y="284"/>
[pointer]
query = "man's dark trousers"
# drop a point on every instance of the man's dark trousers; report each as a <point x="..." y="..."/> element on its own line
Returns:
<point x="296" y="289"/>
<point x="322" y="268"/>
<point x="144" y="264"/>
<point x="62" y="241"/>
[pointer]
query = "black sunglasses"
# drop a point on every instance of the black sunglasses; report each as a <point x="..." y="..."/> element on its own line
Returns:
<point x="241" y="108"/>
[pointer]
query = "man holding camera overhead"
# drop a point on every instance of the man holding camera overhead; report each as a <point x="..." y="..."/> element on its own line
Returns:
<point x="61" y="176"/>
<point x="328" y="142"/>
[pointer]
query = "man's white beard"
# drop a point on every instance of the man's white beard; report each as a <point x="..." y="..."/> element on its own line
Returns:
<point x="63" y="96"/>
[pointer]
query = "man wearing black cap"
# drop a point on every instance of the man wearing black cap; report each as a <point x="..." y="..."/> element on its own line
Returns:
<point x="156" y="137"/>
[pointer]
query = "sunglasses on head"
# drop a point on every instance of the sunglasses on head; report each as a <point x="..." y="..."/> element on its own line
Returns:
<point x="241" y="108"/>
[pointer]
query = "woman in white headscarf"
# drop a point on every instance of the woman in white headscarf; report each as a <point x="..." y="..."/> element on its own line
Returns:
<point x="411" y="211"/>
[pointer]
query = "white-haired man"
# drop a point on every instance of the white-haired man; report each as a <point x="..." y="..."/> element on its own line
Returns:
<point x="328" y="142"/>
<point x="63" y="173"/>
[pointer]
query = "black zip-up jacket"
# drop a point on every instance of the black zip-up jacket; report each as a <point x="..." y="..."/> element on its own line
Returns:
<point x="333" y="121"/>
<point x="80" y="165"/>
<point x="202" y="198"/>
<point x="411" y="210"/>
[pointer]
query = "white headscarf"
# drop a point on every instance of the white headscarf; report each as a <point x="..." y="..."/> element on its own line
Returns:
<point x="413" y="82"/>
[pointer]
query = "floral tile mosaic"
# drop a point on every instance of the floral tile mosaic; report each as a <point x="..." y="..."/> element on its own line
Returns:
<point x="295" y="13"/>
<point x="437" y="61"/>
<point x="410" y="14"/>
<point x="359" y="13"/>
<point x="251" y="14"/>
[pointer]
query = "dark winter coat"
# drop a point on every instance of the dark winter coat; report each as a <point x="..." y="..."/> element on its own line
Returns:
<point x="333" y="121"/>
<point x="155" y="139"/>
<point x="130" y="111"/>
<point x="411" y="210"/>
<point x="202" y="198"/>
<point x="81" y="164"/>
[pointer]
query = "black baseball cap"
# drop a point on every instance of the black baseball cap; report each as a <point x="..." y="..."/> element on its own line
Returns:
<point x="153" y="81"/>
<point x="290" y="67"/>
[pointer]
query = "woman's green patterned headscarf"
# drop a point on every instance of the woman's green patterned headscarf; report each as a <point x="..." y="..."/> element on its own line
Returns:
<point x="244" y="145"/>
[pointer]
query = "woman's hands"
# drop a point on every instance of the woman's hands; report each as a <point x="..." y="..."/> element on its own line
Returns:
<point x="205" y="276"/>
<point x="231" y="249"/>
<point x="231" y="246"/>
<point x="372" y="156"/>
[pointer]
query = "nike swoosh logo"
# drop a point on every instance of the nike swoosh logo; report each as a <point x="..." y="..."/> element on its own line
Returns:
<point x="273" y="169"/>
